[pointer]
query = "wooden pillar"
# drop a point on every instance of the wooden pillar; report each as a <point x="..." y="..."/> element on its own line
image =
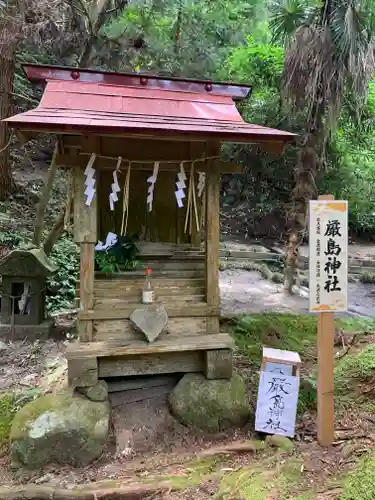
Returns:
<point x="196" y="150"/>
<point x="325" y="385"/>
<point x="85" y="234"/>
<point x="212" y="240"/>
<point x="195" y="239"/>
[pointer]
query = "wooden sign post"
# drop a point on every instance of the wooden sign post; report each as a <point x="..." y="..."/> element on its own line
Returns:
<point x="328" y="263"/>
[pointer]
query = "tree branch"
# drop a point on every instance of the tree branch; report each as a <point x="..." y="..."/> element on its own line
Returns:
<point x="55" y="232"/>
<point x="71" y="4"/>
<point x="44" y="199"/>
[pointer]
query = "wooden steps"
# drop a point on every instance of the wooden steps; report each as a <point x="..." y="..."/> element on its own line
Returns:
<point x="87" y="361"/>
<point x="119" y="309"/>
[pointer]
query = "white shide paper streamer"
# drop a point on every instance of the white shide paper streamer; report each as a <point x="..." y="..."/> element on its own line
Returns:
<point x="115" y="187"/>
<point x="180" y="184"/>
<point x="201" y="183"/>
<point x="90" y="180"/>
<point x="152" y="180"/>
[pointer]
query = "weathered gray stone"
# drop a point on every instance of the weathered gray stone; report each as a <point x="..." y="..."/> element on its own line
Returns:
<point x="211" y="405"/>
<point x="98" y="392"/>
<point x="62" y="428"/>
<point x="151" y="321"/>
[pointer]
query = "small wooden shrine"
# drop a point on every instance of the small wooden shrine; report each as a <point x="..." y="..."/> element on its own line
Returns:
<point x="144" y="153"/>
<point x="23" y="285"/>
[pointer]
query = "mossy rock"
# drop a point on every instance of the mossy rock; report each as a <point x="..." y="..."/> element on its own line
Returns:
<point x="61" y="428"/>
<point x="97" y="392"/>
<point x="281" y="442"/>
<point x="210" y="405"/>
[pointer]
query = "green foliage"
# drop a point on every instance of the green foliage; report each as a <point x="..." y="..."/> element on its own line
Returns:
<point x="106" y="262"/>
<point x="260" y="64"/>
<point x="167" y="32"/>
<point x="61" y="288"/>
<point x="350" y="175"/>
<point x="120" y="257"/>
<point x="234" y="43"/>
<point x="10" y="240"/>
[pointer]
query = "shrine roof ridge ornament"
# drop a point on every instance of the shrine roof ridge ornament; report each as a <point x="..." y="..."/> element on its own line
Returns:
<point x="41" y="73"/>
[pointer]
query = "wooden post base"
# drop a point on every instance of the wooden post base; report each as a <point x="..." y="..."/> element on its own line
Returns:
<point x="218" y="364"/>
<point x="82" y="372"/>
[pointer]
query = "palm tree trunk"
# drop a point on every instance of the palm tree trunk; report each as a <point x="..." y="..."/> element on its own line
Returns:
<point x="302" y="193"/>
<point x="6" y="89"/>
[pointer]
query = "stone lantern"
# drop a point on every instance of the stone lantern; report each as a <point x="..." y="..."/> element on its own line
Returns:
<point x="22" y="313"/>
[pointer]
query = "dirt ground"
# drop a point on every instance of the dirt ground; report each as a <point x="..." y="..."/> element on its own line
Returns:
<point x="153" y="446"/>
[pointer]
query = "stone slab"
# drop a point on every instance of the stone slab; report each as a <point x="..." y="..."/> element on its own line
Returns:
<point x="27" y="332"/>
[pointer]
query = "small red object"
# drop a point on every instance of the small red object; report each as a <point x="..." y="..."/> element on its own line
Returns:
<point x="148" y="271"/>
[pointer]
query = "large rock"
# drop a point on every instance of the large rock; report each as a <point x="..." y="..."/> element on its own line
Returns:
<point x="61" y="428"/>
<point x="211" y="405"/>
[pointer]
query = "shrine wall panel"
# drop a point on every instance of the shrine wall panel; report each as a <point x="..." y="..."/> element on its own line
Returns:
<point x="165" y="223"/>
<point x="108" y="330"/>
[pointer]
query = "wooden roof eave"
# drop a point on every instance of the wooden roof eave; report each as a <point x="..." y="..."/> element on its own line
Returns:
<point x="264" y="143"/>
<point x="71" y="161"/>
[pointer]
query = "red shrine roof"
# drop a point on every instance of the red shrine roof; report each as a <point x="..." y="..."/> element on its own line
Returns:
<point x="90" y="101"/>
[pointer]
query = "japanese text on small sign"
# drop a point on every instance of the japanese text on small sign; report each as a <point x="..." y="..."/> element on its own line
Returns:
<point x="277" y="404"/>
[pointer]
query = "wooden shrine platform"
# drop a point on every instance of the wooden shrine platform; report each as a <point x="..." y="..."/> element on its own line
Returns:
<point x="145" y="159"/>
<point x="211" y="354"/>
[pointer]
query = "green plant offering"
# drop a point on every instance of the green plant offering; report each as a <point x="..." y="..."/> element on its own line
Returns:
<point x="120" y="257"/>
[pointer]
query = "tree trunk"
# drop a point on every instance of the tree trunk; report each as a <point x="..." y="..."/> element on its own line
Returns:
<point x="303" y="192"/>
<point x="6" y="107"/>
<point x="43" y="201"/>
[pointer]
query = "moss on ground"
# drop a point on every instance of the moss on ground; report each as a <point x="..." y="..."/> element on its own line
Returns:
<point x="7" y="411"/>
<point x="353" y="373"/>
<point x="359" y="484"/>
<point x="284" y="331"/>
<point x="260" y="481"/>
<point x="367" y="277"/>
<point x="295" y="332"/>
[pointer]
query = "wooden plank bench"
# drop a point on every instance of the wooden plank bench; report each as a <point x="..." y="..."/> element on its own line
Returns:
<point x="88" y="361"/>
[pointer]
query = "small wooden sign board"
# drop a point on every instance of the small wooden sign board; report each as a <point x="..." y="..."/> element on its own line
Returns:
<point x="278" y="392"/>
<point x="328" y="278"/>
